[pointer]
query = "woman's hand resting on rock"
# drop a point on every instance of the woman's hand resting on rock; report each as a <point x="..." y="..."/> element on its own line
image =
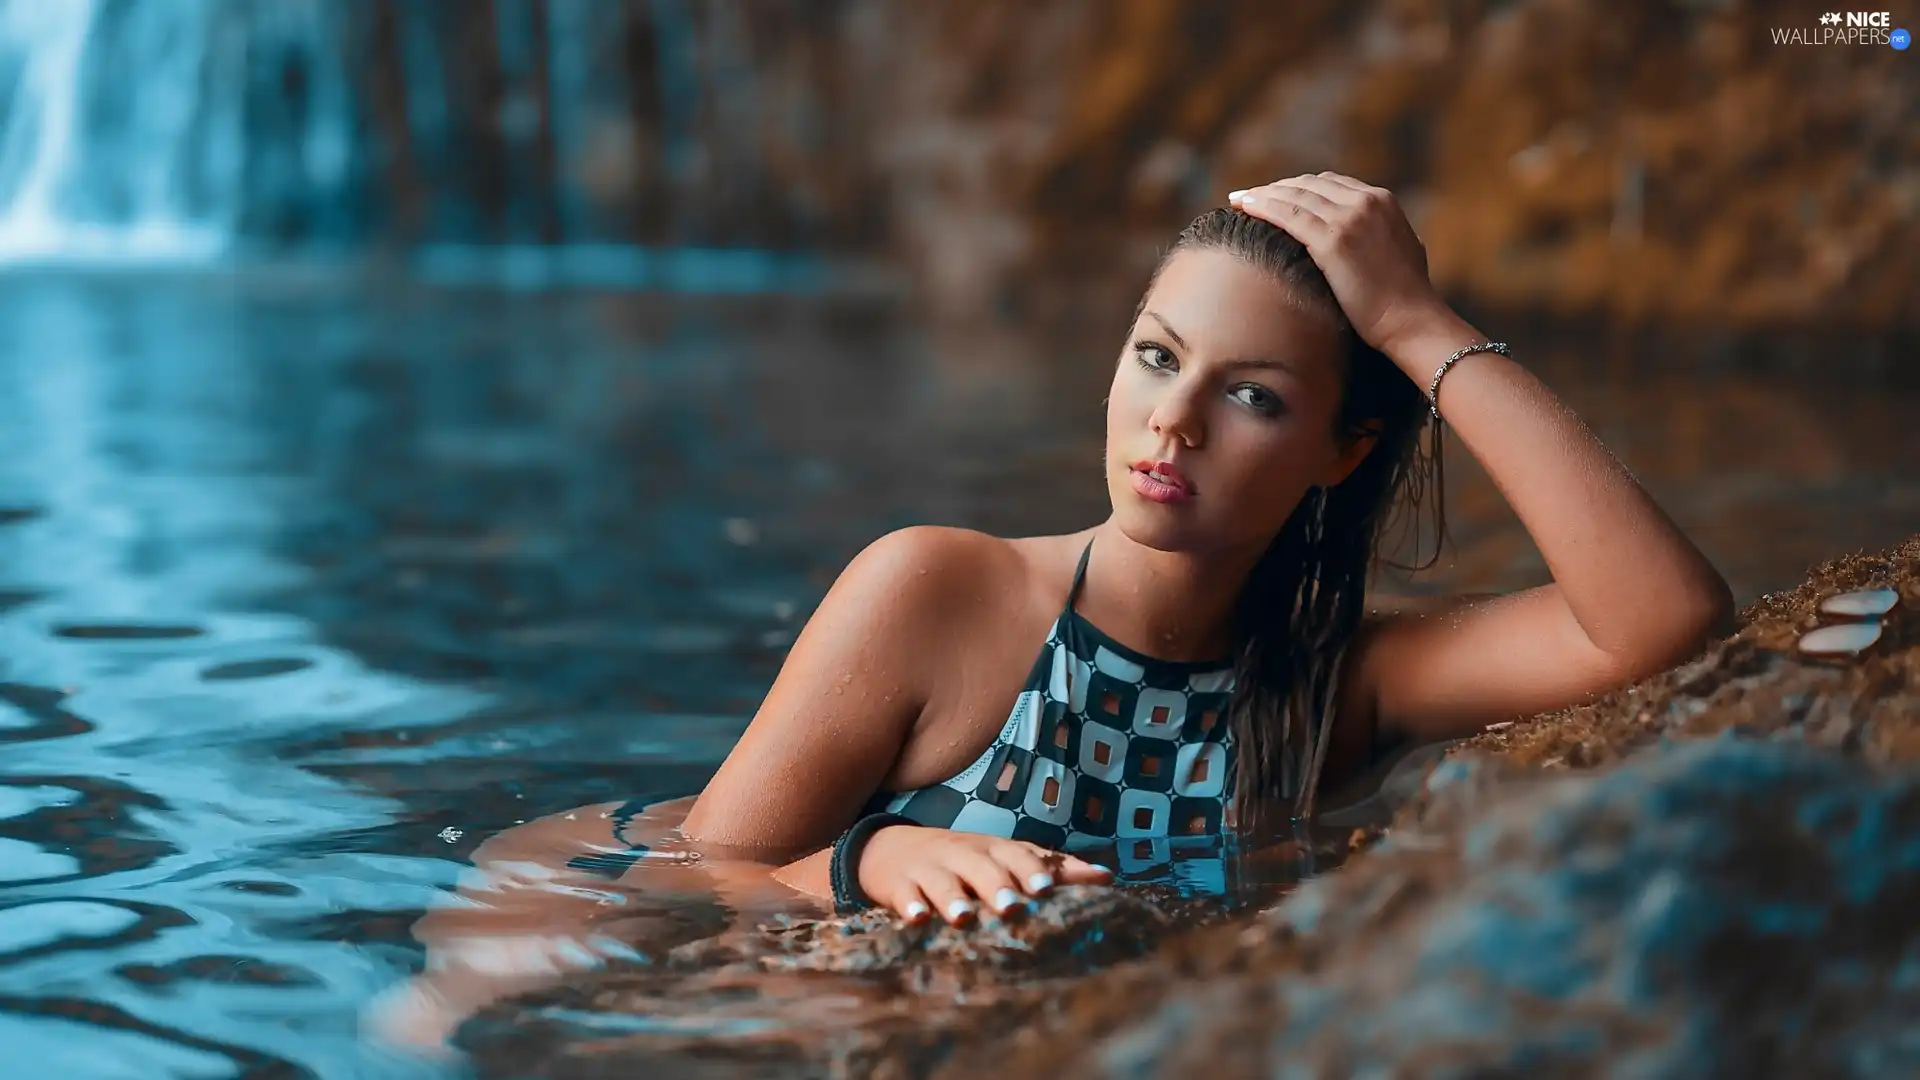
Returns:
<point x="916" y="871"/>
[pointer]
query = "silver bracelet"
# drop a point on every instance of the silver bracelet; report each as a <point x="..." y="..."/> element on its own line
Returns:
<point x="1433" y="388"/>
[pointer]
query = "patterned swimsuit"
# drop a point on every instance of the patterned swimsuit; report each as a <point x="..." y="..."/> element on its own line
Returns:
<point x="1105" y="748"/>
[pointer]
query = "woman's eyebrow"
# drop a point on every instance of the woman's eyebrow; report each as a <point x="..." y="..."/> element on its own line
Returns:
<point x="1286" y="366"/>
<point x="1168" y="327"/>
<point x="1264" y="362"/>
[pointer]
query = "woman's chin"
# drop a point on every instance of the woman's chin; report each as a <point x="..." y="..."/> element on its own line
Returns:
<point x="1156" y="526"/>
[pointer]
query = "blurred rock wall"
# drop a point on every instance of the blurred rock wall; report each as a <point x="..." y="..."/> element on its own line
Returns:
<point x="1635" y="161"/>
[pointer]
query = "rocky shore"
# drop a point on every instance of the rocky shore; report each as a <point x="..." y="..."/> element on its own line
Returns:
<point x="1712" y="873"/>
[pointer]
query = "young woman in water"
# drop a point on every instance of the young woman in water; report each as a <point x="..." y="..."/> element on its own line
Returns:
<point x="1204" y="660"/>
<point x="962" y="711"/>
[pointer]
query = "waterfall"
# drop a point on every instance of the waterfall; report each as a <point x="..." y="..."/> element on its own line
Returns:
<point x="557" y="139"/>
<point x="117" y="131"/>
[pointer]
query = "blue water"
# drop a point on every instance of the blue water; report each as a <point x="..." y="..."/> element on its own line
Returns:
<point x="311" y="578"/>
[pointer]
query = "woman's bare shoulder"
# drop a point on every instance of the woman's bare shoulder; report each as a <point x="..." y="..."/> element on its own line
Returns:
<point x="957" y="575"/>
<point x="880" y="646"/>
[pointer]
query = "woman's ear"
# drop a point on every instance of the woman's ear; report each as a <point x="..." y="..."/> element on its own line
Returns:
<point x="1353" y="450"/>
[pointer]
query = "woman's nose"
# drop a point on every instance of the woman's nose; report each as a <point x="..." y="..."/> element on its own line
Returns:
<point x="1179" y="416"/>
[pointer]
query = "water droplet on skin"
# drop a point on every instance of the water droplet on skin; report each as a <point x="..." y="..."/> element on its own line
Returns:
<point x="1839" y="640"/>
<point x="1863" y="603"/>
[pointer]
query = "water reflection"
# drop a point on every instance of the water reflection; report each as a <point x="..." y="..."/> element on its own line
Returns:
<point x="310" y="583"/>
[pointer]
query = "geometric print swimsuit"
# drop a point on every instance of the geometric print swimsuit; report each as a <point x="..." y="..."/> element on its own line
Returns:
<point x="1104" y="747"/>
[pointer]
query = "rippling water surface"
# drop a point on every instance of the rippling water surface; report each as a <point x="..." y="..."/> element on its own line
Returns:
<point x="310" y="581"/>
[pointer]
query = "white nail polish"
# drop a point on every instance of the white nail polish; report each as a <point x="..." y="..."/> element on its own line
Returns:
<point x="1040" y="883"/>
<point x="1006" y="900"/>
<point x="915" y="911"/>
<point x="1234" y="196"/>
<point x="959" y="908"/>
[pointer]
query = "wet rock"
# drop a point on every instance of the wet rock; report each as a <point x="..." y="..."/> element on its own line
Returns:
<point x="859" y="996"/>
<point x="1071" y="932"/>
<point x="1729" y="907"/>
<point x="1755" y="683"/>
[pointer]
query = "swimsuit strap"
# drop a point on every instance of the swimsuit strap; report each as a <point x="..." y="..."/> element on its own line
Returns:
<point x="1079" y="577"/>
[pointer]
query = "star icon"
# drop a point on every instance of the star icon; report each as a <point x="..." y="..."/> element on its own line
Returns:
<point x="1831" y="18"/>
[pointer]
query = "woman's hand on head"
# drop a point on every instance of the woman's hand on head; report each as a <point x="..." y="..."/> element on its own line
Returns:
<point x="917" y="872"/>
<point x="1362" y="241"/>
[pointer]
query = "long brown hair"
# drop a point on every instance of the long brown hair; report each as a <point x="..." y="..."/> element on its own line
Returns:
<point x="1302" y="604"/>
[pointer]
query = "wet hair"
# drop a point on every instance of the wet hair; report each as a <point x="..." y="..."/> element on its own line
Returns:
<point x="1302" y="604"/>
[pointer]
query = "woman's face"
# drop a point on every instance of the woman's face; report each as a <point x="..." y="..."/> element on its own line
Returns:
<point x="1222" y="411"/>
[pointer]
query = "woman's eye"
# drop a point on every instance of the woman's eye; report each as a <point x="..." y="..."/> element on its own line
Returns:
<point x="1155" y="357"/>
<point x="1258" y="398"/>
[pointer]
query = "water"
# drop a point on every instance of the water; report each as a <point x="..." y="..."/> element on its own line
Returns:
<point x="310" y="581"/>
<point x="300" y="573"/>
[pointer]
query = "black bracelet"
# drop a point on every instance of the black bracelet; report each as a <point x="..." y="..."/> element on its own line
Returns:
<point x="844" y="869"/>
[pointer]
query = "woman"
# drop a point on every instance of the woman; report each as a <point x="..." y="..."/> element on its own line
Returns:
<point x="1202" y="656"/>
<point x="1262" y="421"/>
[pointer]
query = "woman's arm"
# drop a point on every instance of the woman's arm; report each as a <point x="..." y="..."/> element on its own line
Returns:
<point x="845" y="701"/>
<point x="840" y="714"/>
<point x="1631" y="594"/>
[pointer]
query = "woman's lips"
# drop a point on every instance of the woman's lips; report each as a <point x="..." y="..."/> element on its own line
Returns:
<point x="1161" y="482"/>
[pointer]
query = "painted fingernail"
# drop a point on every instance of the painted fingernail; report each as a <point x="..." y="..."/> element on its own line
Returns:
<point x="1005" y="900"/>
<point x="1236" y="196"/>
<point x="959" y="909"/>
<point x="1102" y="869"/>
<point x="1040" y="883"/>
<point x="915" y="911"/>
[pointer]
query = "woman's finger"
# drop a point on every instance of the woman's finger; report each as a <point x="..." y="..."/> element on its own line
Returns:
<point x="1348" y="182"/>
<point x="990" y="881"/>
<point x="1319" y="202"/>
<point x="1029" y="865"/>
<point x="910" y="903"/>
<point x="1272" y="205"/>
<point x="1335" y="193"/>
<point x="948" y="896"/>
